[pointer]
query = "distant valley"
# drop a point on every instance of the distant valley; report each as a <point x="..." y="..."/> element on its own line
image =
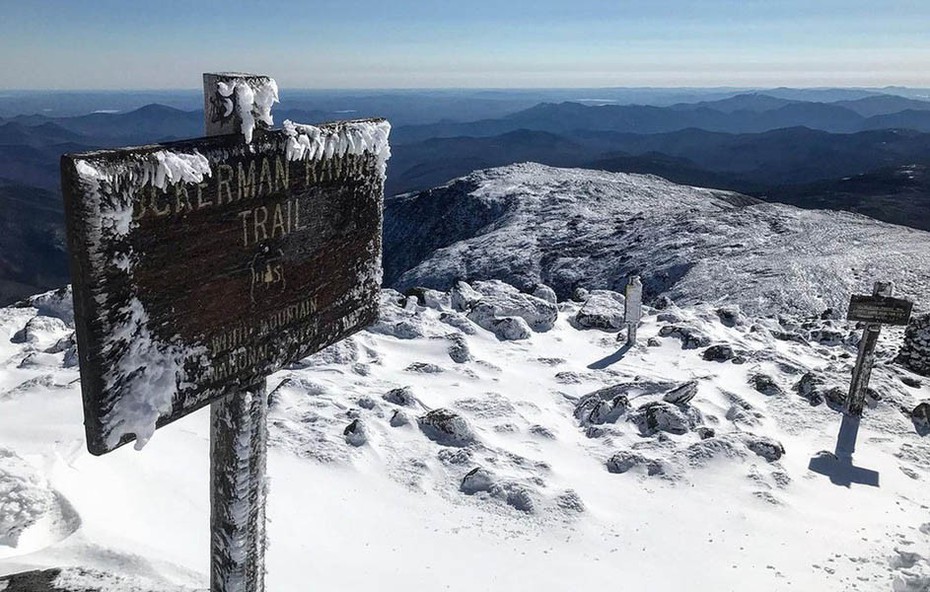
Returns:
<point x="857" y="150"/>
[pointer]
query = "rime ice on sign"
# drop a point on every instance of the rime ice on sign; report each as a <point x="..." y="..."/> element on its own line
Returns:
<point x="199" y="266"/>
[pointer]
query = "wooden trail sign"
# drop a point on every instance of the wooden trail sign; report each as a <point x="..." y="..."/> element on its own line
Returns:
<point x="880" y="309"/>
<point x="200" y="267"/>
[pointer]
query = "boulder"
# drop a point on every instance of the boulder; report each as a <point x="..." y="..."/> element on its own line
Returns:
<point x="769" y="449"/>
<point x="399" y="419"/>
<point x="718" y="353"/>
<point x="690" y="337"/>
<point x="499" y="300"/>
<point x="508" y="328"/>
<point x="476" y="480"/>
<point x="682" y="394"/>
<point x="401" y="396"/>
<point x="604" y="405"/>
<point x="458" y="349"/>
<point x="659" y="416"/>
<point x="355" y="433"/>
<point x="544" y="292"/>
<point x="730" y="316"/>
<point x="601" y="311"/>
<point x="765" y="384"/>
<point x="463" y="297"/>
<point x="625" y="461"/>
<point x="810" y="387"/>
<point x="446" y="427"/>
<point x="921" y="418"/>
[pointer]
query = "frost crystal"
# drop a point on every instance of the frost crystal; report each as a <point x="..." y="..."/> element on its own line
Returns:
<point x="253" y="101"/>
<point x="308" y="142"/>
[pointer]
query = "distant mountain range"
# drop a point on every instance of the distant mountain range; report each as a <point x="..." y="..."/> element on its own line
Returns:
<point x="845" y="149"/>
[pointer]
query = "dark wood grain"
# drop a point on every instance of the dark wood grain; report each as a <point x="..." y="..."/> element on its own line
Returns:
<point x="262" y="264"/>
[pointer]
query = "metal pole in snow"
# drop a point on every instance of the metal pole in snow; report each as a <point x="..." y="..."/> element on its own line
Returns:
<point x="238" y="439"/>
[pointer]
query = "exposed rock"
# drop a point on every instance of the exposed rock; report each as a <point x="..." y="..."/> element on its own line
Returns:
<point x="429" y="298"/>
<point x="507" y="328"/>
<point x="366" y="403"/>
<point x="921" y="418"/>
<point x="705" y="432"/>
<point x="911" y="382"/>
<point x="500" y="300"/>
<point x="446" y="427"/>
<point x="663" y="302"/>
<point x="835" y="396"/>
<point x="455" y="456"/>
<point x="542" y="432"/>
<point x="915" y="352"/>
<point x="730" y="316"/>
<point x="580" y="295"/>
<point x="477" y="479"/>
<point x="459" y="321"/>
<point x="810" y="387"/>
<point x="765" y="384"/>
<point x="769" y="449"/>
<point x="718" y="353"/>
<point x="700" y="453"/>
<point x="355" y="433"/>
<point x="424" y="368"/>
<point x="401" y="396"/>
<point x="604" y="405"/>
<point x="690" y="337"/>
<point x="654" y="342"/>
<point x="458" y="349"/>
<point x="601" y="311"/>
<point x="626" y="460"/>
<point x="829" y="337"/>
<point x="544" y="292"/>
<point x="681" y="395"/>
<point x="570" y="501"/>
<point x="463" y="297"/>
<point x="660" y="416"/>
<point x="399" y="419"/>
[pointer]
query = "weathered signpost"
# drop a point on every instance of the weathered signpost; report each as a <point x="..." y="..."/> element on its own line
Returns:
<point x="200" y="267"/>
<point x="873" y="311"/>
<point x="633" y="308"/>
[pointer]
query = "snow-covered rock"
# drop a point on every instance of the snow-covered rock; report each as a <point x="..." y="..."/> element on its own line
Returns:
<point x="446" y="427"/>
<point x="915" y="351"/>
<point x="602" y="310"/>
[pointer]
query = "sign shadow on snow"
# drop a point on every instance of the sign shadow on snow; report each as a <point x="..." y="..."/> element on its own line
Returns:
<point x="839" y="466"/>
<point x="611" y="359"/>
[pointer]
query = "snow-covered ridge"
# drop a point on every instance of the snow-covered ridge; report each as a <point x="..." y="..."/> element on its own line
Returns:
<point x="499" y="425"/>
<point x="572" y="228"/>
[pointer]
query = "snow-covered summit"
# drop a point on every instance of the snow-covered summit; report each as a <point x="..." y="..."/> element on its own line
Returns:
<point x="486" y="439"/>
<point x="569" y="228"/>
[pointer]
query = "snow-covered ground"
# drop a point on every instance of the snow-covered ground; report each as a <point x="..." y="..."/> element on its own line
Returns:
<point x="428" y="454"/>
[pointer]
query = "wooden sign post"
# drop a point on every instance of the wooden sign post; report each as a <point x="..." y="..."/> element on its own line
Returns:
<point x="875" y="310"/>
<point x="200" y="267"/>
<point x="633" y="308"/>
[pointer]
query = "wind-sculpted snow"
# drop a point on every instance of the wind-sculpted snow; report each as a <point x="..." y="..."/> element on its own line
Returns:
<point x="568" y="228"/>
<point x="428" y="436"/>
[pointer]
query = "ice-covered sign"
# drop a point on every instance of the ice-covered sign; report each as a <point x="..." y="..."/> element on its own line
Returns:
<point x="199" y="267"/>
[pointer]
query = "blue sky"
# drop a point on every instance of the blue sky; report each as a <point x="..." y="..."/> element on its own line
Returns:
<point x="110" y="44"/>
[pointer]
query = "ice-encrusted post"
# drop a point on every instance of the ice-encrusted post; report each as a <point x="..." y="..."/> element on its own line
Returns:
<point x="855" y="400"/>
<point x="238" y="452"/>
<point x="633" y="308"/>
<point x="238" y="423"/>
<point x="236" y="103"/>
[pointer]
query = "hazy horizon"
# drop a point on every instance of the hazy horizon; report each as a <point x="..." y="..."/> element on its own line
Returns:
<point x="412" y="44"/>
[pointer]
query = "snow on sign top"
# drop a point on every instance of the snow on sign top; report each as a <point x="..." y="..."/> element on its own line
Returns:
<point x="199" y="267"/>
